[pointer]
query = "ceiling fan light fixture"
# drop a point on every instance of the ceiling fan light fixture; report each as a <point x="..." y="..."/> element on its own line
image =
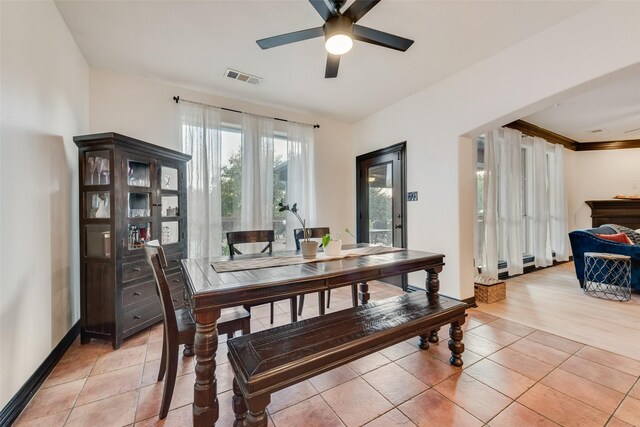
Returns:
<point x="338" y="44"/>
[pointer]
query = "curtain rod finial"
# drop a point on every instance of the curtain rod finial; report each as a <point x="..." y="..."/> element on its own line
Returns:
<point x="176" y="98"/>
<point x="316" y="126"/>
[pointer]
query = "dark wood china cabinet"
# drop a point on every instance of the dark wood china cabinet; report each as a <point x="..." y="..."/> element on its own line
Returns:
<point x="130" y="192"/>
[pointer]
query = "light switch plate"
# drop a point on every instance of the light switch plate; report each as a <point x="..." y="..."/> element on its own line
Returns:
<point x="412" y="196"/>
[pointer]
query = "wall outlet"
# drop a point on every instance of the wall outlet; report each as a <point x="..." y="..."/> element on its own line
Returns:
<point x="412" y="196"/>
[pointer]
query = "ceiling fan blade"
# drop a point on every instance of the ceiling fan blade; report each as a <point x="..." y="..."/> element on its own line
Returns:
<point x="333" y="61"/>
<point x="359" y="8"/>
<point x="325" y="8"/>
<point x="296" y="36"/>
<point x="380" y="38"/>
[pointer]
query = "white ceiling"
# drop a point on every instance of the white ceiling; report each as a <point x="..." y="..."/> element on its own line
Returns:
<point x="614" y="108"/>
<point x="192" y="43"/>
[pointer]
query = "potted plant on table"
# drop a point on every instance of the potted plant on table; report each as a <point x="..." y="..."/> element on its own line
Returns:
<point x="333" y="244"/>
<point x="309" y="247"/>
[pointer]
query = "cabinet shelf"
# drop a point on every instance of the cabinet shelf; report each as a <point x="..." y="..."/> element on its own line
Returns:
<point x="112" y="255"/>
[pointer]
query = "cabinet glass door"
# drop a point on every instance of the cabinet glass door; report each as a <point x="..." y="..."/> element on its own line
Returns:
<point x="97" y="168"/>
<point x="170" y="205"/>
<point x="138" y="173"/>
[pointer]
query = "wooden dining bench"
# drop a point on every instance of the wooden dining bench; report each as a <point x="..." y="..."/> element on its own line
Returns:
<point x="270" y="360"/>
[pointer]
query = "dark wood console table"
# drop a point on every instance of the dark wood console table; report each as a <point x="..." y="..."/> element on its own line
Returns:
<point x="615" y="211"/>
<point x="211" y="291"/>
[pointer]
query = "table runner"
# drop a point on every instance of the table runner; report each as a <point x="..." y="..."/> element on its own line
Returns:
<point x="279" y="261"/>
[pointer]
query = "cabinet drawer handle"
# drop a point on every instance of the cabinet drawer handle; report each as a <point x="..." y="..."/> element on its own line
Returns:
<point x="137" y="269"/>
<point x="137" y="294"/>
<point x="136" y="317"/>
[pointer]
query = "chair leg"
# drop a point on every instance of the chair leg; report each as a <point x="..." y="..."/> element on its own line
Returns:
<point x="188" y="350"/>
<point x="163" y="360"/>
<point x="300" y="305"/>
<point x="246" y="326"/>
<point x="294" y="309"/>
<point x="170" y="381"/>
<point x="272" y="307"/>
<point x="328" y="298"/>
<point x="354" y="295"/>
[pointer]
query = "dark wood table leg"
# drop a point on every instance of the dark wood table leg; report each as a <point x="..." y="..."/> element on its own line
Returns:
<point x="354" y="295"/>
<point x="205" y="398"/>
<point x="433" y="288"/>
<point x="321" y="301"/>
<point x="294" y="309"/>
<point x="455" y="343"/>
<point x="364" y="293"/>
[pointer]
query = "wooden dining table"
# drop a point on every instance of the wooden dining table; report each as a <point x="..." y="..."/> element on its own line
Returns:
<point x="210" y="291"/>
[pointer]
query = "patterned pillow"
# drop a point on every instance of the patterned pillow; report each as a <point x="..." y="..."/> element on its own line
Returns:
<point x="631" y="234"/>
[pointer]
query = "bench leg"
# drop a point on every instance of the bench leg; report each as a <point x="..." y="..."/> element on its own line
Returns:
<point x="433" y="336"/>
<point x="257" y="416"/>
<point x="321" y="300"/>
<point x="239" y="406"/>
<point x="424" y="341"/>
<point x="364" y="293"/>
<point x="294" y="309"/>
<point x="455" y="343"/>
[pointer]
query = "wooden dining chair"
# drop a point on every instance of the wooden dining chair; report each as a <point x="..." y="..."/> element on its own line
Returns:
<point x="179" y="326"/>
<point x="258" y="236"/>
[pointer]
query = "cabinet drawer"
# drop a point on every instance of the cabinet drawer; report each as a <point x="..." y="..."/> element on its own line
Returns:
<point x="139" y="293"/>
<point x="177" y="298"/>
<point x="173" y="260"/>
<point x="135" y="270"/>
<point x="140" y="315"/>
<point x="176" y="281"/>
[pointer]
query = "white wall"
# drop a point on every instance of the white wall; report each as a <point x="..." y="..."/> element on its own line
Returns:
<point x="513" y="83"/>
<point x="600" y="175"/>
<point x="45" y="102"/>
<point x="145" y="110"/>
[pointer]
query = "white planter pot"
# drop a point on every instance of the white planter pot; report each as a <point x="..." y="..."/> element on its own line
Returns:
<point x="309" y="249"/>
<point x="333" y="248"/>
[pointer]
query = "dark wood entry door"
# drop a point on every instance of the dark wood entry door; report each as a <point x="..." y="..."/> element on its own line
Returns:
<point x="381" y="202"/>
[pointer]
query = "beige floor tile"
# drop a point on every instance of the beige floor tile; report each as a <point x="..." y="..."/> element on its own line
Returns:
<point x="356" y="402"/>
<point x="635" y="391"/>
<point x="141" y="338"/>
<point x="470" y="324"/>
<point x="398" y="351"/>
<point x="518" y="415"/>
<point x="629" y="411"/>
<point x="494" y="334"/>
<point x="179" y="417"/>
<point x="612" y="360"/>
<point x="616" y="422"/>
<point x="522" y="363"/>
<point x="393" y="418"/>
<point x="333" y="378"/>
<point x="600" y="374"/>
<point x="151" y="369"/>
<point x="555" y="341"/>
<point x="368" y="363"/>
<point x="54" y="420"/>
<point x="433" y="409"/>
<point x="596" y="395"/>
<point x="480" y="317"/>
<point x="154" y="351"/>
<point x="480" y="345"/>
<point x="150" y="397"/>
<point x="70" y="371"/>
<point x="441" y="352"/>
<point x="512" y="327"/>
<point x="426" y="368"/>
<point x="290" y="396"/>
<point x="113" y="411"/>
<point x="539" y="351"/>
<point x="122" y="358"/>
<point x="561" y="408"/>
<point x="395" y="384"/>
<point x="52" y="400"/>
<point x="478" y="399"/>
<point x="110" y="384"/>
<point x="313" y="412"/>
<point x="505" y="380"/>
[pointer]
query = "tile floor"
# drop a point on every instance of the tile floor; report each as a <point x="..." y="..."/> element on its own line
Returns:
<point x="513" y="375"/>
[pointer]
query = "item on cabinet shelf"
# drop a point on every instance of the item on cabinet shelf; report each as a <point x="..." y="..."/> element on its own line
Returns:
<point x="105" y="171"/>
<point x="488" y="290"/>
<point x="166" y="180"/>
<point x="103" y="208"/>
<point x="99" y="167"/>
<point x="106" y="243"/>
<point x="91" y="163"/>
<point x="166" y="234"/>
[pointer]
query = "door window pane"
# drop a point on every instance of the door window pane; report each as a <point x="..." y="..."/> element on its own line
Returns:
<point x="380" y="181"/>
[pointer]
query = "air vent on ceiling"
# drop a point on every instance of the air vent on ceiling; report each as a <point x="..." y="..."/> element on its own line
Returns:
<point x="243" y="77"/>
<point x="597" y="131"/>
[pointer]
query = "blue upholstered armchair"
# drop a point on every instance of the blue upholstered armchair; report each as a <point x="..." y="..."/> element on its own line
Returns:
<point x="586" y="241"/>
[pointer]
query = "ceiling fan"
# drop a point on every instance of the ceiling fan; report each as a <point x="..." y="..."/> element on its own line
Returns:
<point x="339" y="30"/>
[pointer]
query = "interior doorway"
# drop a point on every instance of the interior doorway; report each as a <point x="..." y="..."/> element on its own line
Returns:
<point x="381" y="202"/>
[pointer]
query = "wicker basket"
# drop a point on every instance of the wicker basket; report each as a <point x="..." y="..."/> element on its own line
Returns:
<point x="488" y="293"/>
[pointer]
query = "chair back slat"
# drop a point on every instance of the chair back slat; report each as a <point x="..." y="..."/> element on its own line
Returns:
<point x="253" y="236"/>
<point x="158" y="262"/>
<point x="314" y="233"/>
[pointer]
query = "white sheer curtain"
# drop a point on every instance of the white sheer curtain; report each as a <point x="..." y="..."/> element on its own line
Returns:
<point x="490" y="207"/>
<point x="257" y="173"/>
<point x="201" y="138"/>
<point x="558" y="207"/>
<point x="300" y="177"/>
<point x="510" y="199"/>
<point x="540" y="204"/>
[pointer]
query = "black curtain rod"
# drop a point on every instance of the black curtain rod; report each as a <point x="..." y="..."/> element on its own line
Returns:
<point x="177" y="99"/>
